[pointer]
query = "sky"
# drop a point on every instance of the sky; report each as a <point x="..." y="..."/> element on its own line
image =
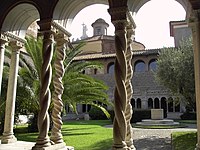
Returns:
<point x="152" y="22"/>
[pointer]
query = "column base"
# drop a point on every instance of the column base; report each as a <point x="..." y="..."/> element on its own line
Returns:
<point x="197" y="147"/>
<point x="7" y="139"/>
<point x="119" y="147"/>
<point x="60" y="146"/>
<point x="130" y="145"/>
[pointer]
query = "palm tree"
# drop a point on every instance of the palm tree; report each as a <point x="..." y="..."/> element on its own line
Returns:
<point x="78" y="88"/>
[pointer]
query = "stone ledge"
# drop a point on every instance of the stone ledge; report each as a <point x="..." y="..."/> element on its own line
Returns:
<point x="22" y="145"/>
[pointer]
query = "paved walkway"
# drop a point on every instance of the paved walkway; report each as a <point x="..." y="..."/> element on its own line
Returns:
<point x="155" y="139"/>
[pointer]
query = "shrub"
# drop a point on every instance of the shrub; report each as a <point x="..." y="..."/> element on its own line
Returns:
<point x="139" y="114"/>
<point x="188" y="116"/>
<point x="96" y="113"/>
<point x="112" y="114"/>
<point x="32" y="124"/>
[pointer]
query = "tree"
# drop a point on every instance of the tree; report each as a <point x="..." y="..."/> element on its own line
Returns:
<point x="78" y="87"/>
<point x="176" y="71"/>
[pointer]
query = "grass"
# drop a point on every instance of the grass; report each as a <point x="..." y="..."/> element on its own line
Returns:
<point x="82" y="135"/>
<point x="184" y="140"/>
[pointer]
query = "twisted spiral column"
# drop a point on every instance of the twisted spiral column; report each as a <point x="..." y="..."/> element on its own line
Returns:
<point x="128" y="111"/>
<point x="120" y="95"/>
<point x="56" y="135"/>
<point x="45" y="94"/>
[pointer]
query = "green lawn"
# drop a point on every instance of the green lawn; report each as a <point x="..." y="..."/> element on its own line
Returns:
<point x="82" y="135"/>
<point x="184" y="140"/>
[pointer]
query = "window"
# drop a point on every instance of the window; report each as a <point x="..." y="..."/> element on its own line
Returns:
<point x="150" y="103"/>
<point x="133" y="102"/>
<point x="152" y="65"/>
<point x="139" y="103"/>
<point x="139" y="66"/>
<point x="111" y="67"/>
<point x="156" y="103"/>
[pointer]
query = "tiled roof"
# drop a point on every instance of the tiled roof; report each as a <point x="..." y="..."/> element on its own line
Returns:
<point x="94" y="56"/>
<point x="100" y="55"/>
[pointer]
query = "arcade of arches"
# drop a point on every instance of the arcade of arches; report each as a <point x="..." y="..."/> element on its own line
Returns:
<point x="53" y="21"/>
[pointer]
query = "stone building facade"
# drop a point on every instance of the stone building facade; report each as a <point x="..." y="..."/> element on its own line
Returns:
<point x="147" y="92"/>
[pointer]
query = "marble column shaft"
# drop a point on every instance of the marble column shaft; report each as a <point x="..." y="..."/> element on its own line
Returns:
<point x="195" y="25"/>
<point x="8" y="135"/>
<point x="3" y="42"/>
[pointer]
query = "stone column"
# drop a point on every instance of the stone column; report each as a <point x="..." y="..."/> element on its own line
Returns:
<point x="45" y="93"/>
<point x="195" y="25"/>
<point x="8" y="135"/>
<point x="129" y="111"/>
<point x="56" y="135"/>
<point x="3" y="41"/>
<point x="120" y="94"/>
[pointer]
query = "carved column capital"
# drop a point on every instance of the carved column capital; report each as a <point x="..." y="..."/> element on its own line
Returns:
<point x="119" y="17"/>
<point x="194" y="16"/>
<point x="3" y="38"/>
<point x="16" y="45"/>
<point x="61" y="38"/>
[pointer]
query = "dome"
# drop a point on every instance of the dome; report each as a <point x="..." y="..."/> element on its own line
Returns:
<point x="100" y="21"/>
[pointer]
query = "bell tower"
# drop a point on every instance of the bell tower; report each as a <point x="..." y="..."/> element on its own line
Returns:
<point x="100" y="27"/>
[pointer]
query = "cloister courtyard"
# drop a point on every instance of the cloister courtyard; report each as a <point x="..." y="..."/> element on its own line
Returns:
<point x="54" y="19"/>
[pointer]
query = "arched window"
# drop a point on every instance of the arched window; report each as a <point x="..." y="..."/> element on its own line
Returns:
<point x="156" y="103"/>
<point x="163" y="103"/>
<point x="139" y="103"/>
<point x="164" y="106"/>
<point x="170" y="105"/>
<point x="150" y="103"/>
<point x="139" y="66"/>
<point x="133" y="102"/>
<point x="152" y="65"/>
<point x="110" y="68"/>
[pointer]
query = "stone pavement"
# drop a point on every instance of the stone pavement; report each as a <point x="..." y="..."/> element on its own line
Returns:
<point x="156" y="139"/>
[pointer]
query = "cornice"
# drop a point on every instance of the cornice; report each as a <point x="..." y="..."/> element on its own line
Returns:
<point x="60" y="28"/>
<point x="11" y="37"/>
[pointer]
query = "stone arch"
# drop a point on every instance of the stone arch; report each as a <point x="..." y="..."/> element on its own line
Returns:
<point x="139" y="66"/>
<point x="65" y="11"/>
<point x="19" y="19"/>
<point x="134" y="6"/>
<point x="110" y="68"/>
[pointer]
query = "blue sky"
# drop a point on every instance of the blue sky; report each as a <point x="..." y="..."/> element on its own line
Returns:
<point x="152" y="22"/>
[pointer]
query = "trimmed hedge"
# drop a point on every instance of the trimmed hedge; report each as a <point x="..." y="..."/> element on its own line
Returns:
<point x="188" y="116"/>
<point x="96" y="113"/>
<point x="139" y="114"/>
